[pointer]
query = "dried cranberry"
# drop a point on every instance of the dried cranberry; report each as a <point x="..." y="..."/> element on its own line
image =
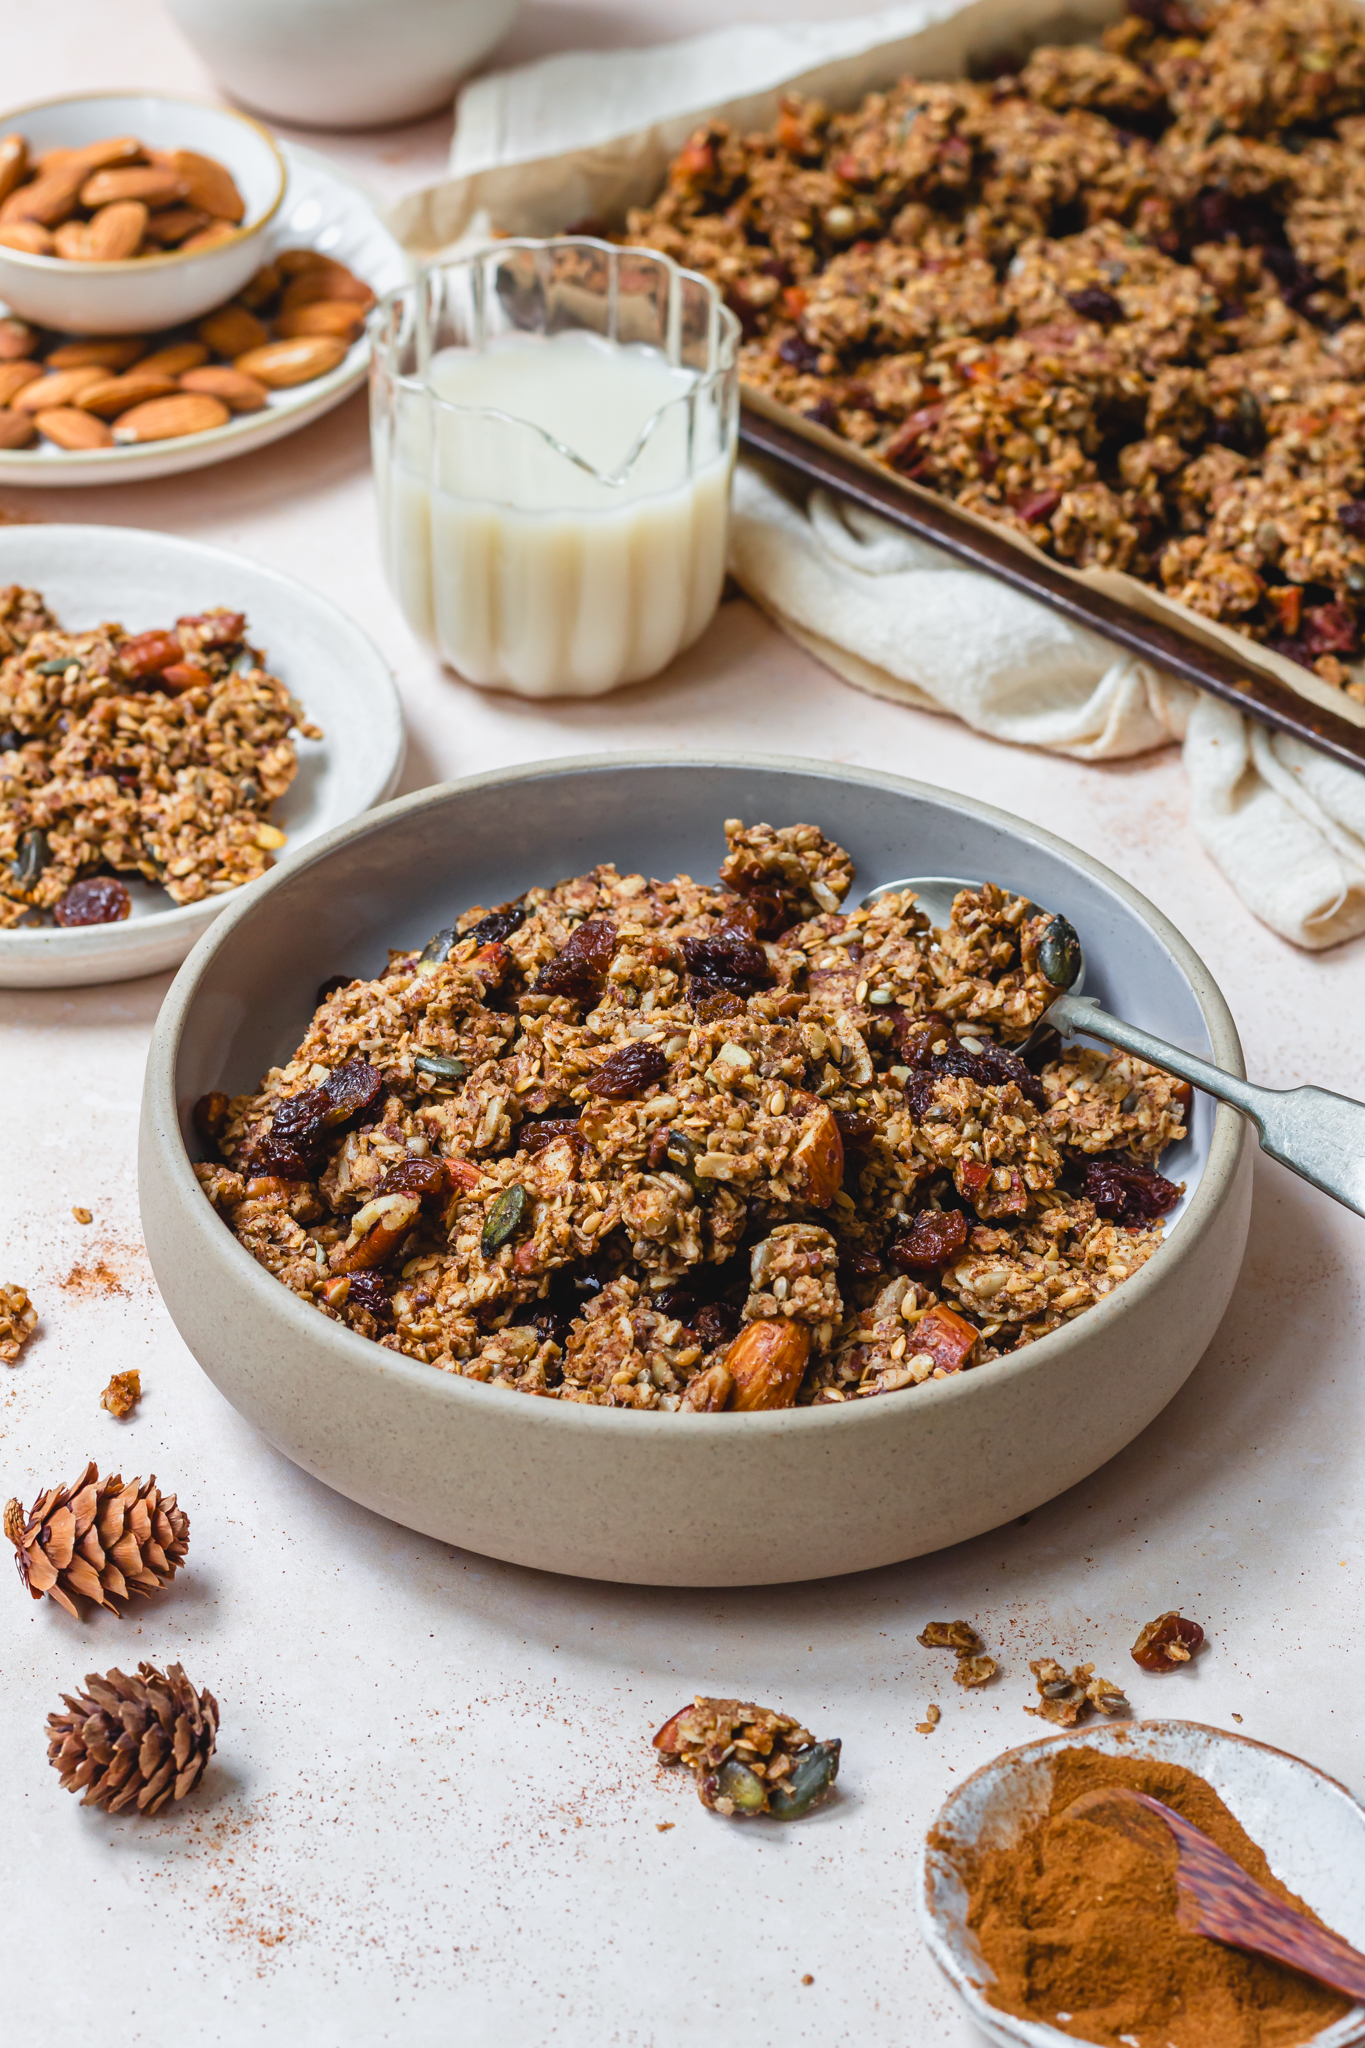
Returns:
<point x="729" y="956"/>
<point x="798" y="354"/>
<point x="932" y="1240"/>
<point x="1093" y="302"/>
<point x="1038" y="505"/>
<point x="498" y="925"/>
<point x="535" y="1137"/>
<point x="101" y="900"/>
<point x="855" y="1129"/>
<point x="210" y="1116"/>
<point x="1351" y="517"/>
<point x="424" y="1177"/>
<point x="1166" y="1642"/>
<point x="371" y="1290"/>
<point x="1125" y="1191"/>
<point x="628" y="1071"/>
<point x="579" y="968"/>
<point x="1327" y="629"/>
<point x="716" y="1324"/>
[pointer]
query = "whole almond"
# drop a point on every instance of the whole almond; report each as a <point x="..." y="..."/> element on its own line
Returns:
<point x="234" y="387"/>
<point x="325" y="280"/>
<point x="28" y="236"/>
<point x="166" y="419"/>
<point x="282" y="363"/>
<point x="173" y="223"/>
<point x="176" y="359"/>
<point x="114" y="352"/>
<point x="210" y="236"/>
<point x="766" y="1362"/>
<point x="259" y="290"/>
<point x="817" y="1163"/>
<point x="17" y="429"/>
<point x="73" y="430"/>
<point x="116" y="231"/>
<point x="339" y="317"/>
<point x="72" y="241"/>
<point x="113" y="396"/>
<point x="45" y="394"/>
<point x="209" y="184"/>
<point x="231" y="331"/>
<point x="17" y="339"/>
<point x="13" y="163"/>
<point x="48" y="198"/>
<point x="14" y="376"/>
<point x="292" y="262"/>
<point x="147" y="182"/>
<point x="110" y="149"/>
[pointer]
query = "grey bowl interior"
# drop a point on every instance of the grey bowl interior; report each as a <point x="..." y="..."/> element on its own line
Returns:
<point x="667" y="1499"/>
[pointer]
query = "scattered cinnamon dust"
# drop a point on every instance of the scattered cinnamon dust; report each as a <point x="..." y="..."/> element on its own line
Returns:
<point x="1079" y="1924"/>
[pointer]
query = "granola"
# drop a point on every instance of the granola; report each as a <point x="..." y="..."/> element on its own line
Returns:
<point x="749" y="1760"/>
<point x="151" y="755"/>
<point x="693" y="1147"/>
<point x="18" y="1321"/>
<point x="1115" y="300"/>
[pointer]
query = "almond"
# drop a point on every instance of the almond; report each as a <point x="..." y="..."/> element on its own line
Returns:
<point x="325" y="280"/>
<point x="209" y="184"/>
<point x="166" y="419"/>
<point x="176" y="359"/>
<point x="282" y="363"/>
<point x="71" y="241"/>
<point x="766" y="1362"/>
<point x="72" y="429"/>
<point x="114" y="352"/>
<point x="231" y="331"/>
<point x="113" y="396"/>
<point x="116" y="231"/>
<point x="234" y="387"/>
<point x="209" y="237"/>
<point x="292" y="262"/>
<point x="28" y="236"/>
<point x="13" y="163"/>
<point x="708" y="1393"/>
<point x="48" y="198"/>
<point x="95" y="156"/>
<point x="259" y="290"/>
<point x="818" y="1161"/>
<point x="173" y="223"/>
<point x="17" y="429"/>
<point x="45" y="393"/>
<point x="340" y="317"/>
<point x="17" y="339"/>
<point x="14" y="376"/>
<point x="147" y="182"/>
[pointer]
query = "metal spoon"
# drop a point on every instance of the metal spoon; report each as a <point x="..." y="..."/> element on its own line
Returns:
<point x="1316" y="1134"/>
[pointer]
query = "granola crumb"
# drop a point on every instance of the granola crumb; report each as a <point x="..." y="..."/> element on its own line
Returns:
<point x="808" y="1979"/>
<point x="661" y="1827"/>
<point x="18" y="1321"/>
<point x="122" y="1394"/>
<point x="83" y="1215"/>
<point x="932" y="1717"/>
<point x="974" y="1668"/>
<point x="1069" y="1697"/>
<point x="1238" y="1719"/>
<point x="749" y="1760"/>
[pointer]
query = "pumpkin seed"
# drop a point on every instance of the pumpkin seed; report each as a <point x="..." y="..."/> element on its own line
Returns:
<point x="808" y="1781"/>
<point x="1059" y="953"/>
<point x="503" y="1219"/>
<point x="56" y="668"/>
<point x="741" y="1786"/>
<point x="437" y="948"/>
<point x="439" y="1068"/>
<point x="33" y="857"/>
<point x="679" y="1153"/>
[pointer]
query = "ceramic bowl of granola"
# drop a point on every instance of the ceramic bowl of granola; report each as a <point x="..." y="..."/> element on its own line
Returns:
<point x="807" y="1253"/>
<point x="174" y="721"/>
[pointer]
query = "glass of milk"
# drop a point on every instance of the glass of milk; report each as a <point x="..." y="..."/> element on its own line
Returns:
<point x="554" y="430"/>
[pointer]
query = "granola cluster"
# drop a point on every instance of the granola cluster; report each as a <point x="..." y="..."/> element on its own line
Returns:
<point x="1114" y="300"/>
<point x="749" y="1760"/>
<point x="699" y="1146"/>
<point x="155" y="755"/>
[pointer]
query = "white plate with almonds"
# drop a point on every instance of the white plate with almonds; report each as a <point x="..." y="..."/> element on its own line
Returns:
<point x="182" y="401"/>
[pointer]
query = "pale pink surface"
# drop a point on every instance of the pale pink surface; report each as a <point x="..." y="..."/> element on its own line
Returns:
<point x="433" y="1818"/>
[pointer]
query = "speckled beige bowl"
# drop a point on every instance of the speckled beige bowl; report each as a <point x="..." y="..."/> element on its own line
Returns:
<point x="668" y="1499"/>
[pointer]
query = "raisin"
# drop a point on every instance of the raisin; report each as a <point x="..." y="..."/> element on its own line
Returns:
<point x="628" y="1071"/>
<point x="710" y="1000"/>
<point x="1351" y="517"/>
<point x="292" y="1147"/>
<point x="729" y="956"/>
<point x="919" y="1095"/>
<point x="1166" y="1642"/>
<point x="1125" y="1191"/>
<point x="916" y="1037"/>
<point x="210" y="1118"/>
<point x="498" y="925"/>
<point x="425" y="1177"/>
<point x="716" y="1324"/>
<point x="349" y="1089"/>
<point x="854" y="1128"/>
<point x="101" y="900"/>
<point x="796" y="351"/>
<point x="993" y="1067"/>
<point x="579" y="968"/>
<point x="10" y="742"/>
<point x="371" y="1290"/>
<point x="935" y="1237"/>
<point x="1093" y="302"/>
<point x="678" y="1302"/>
<point x="535" y="1137"/>
<point x="331" y="985"/>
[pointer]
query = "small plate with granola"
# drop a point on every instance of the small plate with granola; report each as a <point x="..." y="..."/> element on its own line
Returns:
<point x="174" y="721"/>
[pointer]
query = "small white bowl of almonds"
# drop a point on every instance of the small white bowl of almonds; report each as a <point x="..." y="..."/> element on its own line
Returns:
<point x="123" y="213"/>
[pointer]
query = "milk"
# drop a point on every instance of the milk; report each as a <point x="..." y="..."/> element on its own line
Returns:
<point x="554" y="509"/>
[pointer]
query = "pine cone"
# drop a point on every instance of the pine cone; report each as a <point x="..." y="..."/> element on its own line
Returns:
<point x="133" y="1741"/>
<point x="100" y="1539"/>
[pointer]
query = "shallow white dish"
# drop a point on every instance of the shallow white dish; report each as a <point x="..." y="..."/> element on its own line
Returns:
<point x="89" y="574"/>
<point x="322" y="209"/>
<point x="140" y="294"/>
<point x="1310" y="1827"/>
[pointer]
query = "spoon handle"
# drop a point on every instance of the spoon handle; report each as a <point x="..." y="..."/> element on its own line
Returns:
<point x="1316" y="1134"/>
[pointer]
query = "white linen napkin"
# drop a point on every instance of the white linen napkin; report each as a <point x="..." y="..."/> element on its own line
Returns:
<point x="893" y="615"/>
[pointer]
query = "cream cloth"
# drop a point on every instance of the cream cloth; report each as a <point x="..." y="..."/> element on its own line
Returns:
<point x="886" y="612"/>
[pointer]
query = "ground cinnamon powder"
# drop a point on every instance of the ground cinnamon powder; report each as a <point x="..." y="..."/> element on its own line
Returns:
<point x="1078" y="1922"/>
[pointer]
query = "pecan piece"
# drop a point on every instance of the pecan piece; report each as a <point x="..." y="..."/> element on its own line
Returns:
<point x="377" y="1230"/>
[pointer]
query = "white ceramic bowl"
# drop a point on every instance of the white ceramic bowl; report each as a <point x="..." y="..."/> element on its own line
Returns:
<point x="89" y="574"/>
<point x="1310" y="1827"/>
<point x="143" y="294"/>
<point x="646" y="1498"/>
